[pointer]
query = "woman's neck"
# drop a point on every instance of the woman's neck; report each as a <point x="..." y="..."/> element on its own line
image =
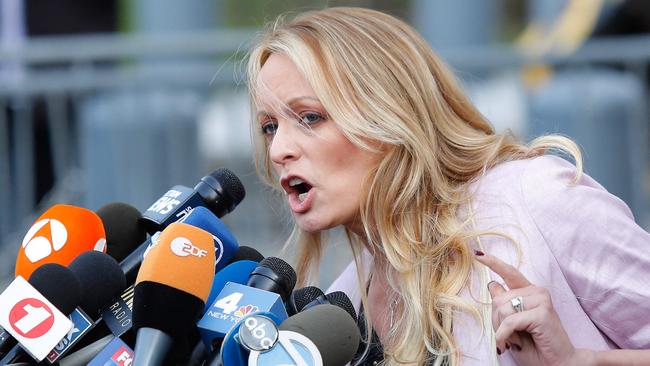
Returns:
<point x="381" y="300"/>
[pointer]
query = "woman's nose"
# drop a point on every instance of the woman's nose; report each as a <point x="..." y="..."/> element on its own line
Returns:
<point x="284" y="147"/>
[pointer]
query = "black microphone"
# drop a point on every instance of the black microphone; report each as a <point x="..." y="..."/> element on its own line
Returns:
<point x="123" y="229"/>
<point x="124" y="232"/>
<point x="101" y="280"/>
<point x="246" y="253"/>
<point x="301" y="297"/>
<point x="273" y="275"/>
<point x="60" y="287"/>
<point x="310" y="296"/>
<point x="220" y="192"/>
<point x="338" y="298"/>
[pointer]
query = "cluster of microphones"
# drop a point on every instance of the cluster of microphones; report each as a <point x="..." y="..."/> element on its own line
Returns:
<point x="169" y="286"/>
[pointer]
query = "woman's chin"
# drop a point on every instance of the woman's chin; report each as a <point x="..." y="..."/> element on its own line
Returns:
<point x="312" y="226"/>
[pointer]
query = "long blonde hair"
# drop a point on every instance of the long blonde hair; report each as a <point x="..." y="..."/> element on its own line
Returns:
<point x="380" y="81"/>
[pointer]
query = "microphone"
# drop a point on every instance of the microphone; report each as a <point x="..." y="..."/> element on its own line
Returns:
<point x="58" y="236"/>
<point x="266" y="289"/>
<point x="225" y="244"/>
<point x="101" y="280"/>
<point x="273" y="275"/>
<point x="59" y="285"/>
<point x="323" y="335"/>
<point x="310" y="296"/>
<point x="119" y="312"/>
<point x="247" y="253"/>
<point x="115" y="353"/>
<point x="168" y="302"/>
<point x="241" y="265"/>
<point x="220" y="192"/>
<point x="301" y="297"/>
<point x="34" y="313"/>
<point x="123" y="230"/>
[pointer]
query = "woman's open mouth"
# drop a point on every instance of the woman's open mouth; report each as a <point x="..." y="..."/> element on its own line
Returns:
<point x="301" y="187"/>
<point x="300" y="193"/>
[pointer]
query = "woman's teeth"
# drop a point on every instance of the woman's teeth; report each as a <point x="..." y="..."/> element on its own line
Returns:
<point x="302" y="196"/>
<point x="295" y="181"/>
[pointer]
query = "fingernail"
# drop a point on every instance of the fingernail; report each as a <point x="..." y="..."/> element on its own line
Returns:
<point x="516" y="347"/>
<point x="489" y="283"/>
<point x="498" y="351"/>
<point x="478" y="253"/>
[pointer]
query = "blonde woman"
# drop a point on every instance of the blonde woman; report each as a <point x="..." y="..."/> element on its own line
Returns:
<point x="361" y="125"/>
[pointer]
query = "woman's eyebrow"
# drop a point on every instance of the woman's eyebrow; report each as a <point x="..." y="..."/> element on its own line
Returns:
<point x="263" y="113"/>
<point x="298" y="99"/>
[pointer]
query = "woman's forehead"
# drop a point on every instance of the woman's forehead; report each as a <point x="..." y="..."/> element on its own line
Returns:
<point x="280" y="80"/>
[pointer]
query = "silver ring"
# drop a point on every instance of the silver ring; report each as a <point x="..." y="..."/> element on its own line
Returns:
<point x="517" y="303"/>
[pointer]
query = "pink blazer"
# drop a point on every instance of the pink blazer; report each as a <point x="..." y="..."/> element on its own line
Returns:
<point x="578" y="241"/>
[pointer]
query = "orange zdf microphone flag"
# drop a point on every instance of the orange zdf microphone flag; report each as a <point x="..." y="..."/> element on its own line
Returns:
<point x="59" y="235"/>
<point x="183" y="258"/>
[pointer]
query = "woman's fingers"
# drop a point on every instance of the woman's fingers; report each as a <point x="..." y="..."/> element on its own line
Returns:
<point x="512" y="277"/>
<point x="506" y="297"/>
<point x="518" y="322"/>
<point x="507" y="309"/>
<point x="495" y="289"/>
<point x="502" y="307"/>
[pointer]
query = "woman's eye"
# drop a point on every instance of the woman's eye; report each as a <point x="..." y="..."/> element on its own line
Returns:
<point x="311" y="118"/>
<point x="269" y="128"/>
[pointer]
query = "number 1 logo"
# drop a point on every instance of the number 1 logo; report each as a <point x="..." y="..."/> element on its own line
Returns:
<point x="31" y="318"/>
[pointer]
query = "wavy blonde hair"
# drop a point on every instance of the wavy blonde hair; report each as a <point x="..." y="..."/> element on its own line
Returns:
<point x="380" y="81"/>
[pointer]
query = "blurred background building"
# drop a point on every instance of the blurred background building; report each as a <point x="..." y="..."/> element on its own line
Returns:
<point x="107" y="100"/>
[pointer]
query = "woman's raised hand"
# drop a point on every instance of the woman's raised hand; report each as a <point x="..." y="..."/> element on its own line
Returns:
<point x="525" y="322"/>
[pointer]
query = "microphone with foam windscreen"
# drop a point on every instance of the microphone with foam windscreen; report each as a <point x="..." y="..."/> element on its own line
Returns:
<point x="59" y="285"/>
<point x="124" y="232"/>
<point x="101" y="280"/>
<point x="58" y="236"/>
<point x="171" y="289"/>
<point x="34" y="312"/>
<point x="323" y="335"/>
<point x="118" y="314"/>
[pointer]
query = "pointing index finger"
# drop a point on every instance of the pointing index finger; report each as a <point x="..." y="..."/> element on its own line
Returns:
<point x="511" y="275"/>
